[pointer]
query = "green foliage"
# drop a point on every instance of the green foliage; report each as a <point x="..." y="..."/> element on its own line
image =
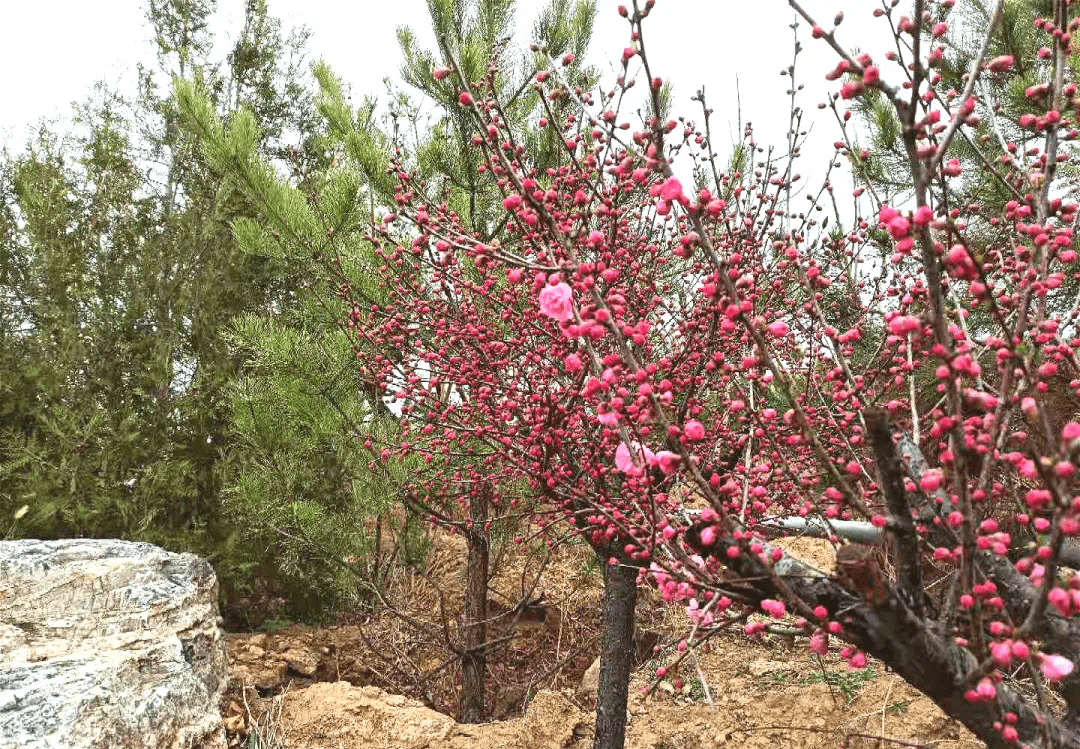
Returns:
<point x="849" y="683"/>
<point x="119" y="276"/>
<point x="177" y="370"/>
<point x="303" y="485"/>
<point x="471" y="35"/>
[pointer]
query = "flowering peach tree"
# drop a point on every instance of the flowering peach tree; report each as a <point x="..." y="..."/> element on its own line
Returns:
<point x="680" y="374"/>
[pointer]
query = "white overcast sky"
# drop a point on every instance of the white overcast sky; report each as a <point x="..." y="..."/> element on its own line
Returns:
<point x="52" y="52"/>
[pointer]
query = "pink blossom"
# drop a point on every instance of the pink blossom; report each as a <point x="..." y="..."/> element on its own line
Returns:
<point x="779" y="328"/>
<point x="774" y="608"/>
<point x="931" y="480"/>
<point x="671" y="190"/>
<point x="441" y="73"/>
<point x="557" y="301"/>
<point x="608" y="419"/>
<point x="819" y="643"/>
<point x="904" y="324"/>
<point x="572" y="363"/>
<point x="694" y="430"/>
<point x="852" y="89"/>
<point x="1001" y="652"/>
<point x="708" y="535"/>
<point x="1000" y="64"/>
<point x="1055" y="667"/>
<point x="1070" y="431"/>
<point x="899" y="227"/>
<point x="625" y="459"/>
<point x="510" y="202"/>
<point x="667" y="461"/>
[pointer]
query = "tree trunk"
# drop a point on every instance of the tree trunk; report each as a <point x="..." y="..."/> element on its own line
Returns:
<point x="473" y="662"/>
<point x="616" y="657"/>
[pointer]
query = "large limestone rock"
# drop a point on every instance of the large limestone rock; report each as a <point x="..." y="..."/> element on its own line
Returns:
<point x="108" y="643"/>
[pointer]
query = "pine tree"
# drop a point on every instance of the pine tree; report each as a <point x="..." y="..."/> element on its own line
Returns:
<point x="119" y="277"/>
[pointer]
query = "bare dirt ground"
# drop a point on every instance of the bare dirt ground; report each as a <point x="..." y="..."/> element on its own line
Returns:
<point x="334" y="687"/>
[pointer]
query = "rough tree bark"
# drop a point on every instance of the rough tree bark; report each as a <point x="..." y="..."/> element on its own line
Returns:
<point x="616" y="656"/>
<point x="473" y="660"/>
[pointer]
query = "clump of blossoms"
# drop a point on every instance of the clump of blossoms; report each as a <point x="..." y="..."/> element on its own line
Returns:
<point x="679" y="374"/>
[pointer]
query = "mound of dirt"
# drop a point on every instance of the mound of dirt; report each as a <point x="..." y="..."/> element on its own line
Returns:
<point x="342" y="716"/>
<point x="767" y="694"/>
<point x="775" y="708"/>
<point x="345" y="683"/>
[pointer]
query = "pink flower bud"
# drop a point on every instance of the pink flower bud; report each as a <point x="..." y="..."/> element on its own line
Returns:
<point x="708" y="535"/>
<point x="779" y="328"/>
<point x="985" y="689"/>
<point x="931" y="480"/>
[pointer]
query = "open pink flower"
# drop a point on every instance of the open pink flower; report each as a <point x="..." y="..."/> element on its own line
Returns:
<point x="774" y="608"/>
<point x="671" y="190"/>
<point x="626" y="457"/>
<point x="779" y="328"/>
<point x="557" y="301"/>
<point x="609" y="419"/>
<point x="931" y="480"/>
<point x="1055" y="667"/>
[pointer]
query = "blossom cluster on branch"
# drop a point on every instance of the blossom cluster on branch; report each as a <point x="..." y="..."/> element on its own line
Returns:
<point x="669" y="369"/>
